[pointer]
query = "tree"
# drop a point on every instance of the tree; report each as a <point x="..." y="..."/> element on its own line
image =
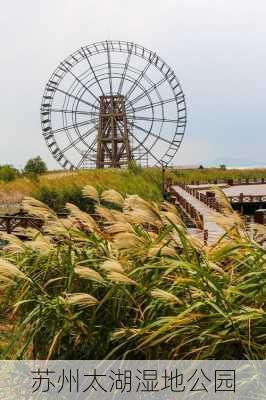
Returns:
<point x="201" y="167"/>
<point x="35" y="166"/>
<point x="223" y="166"/>
<point x="8" y="173"/>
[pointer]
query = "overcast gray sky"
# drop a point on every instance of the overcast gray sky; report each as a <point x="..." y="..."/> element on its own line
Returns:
<point x="216" y="47"/>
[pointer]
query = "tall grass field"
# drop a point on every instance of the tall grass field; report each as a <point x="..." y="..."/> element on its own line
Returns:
<point x="57" y="188"/>
<point x="130" y="282"/>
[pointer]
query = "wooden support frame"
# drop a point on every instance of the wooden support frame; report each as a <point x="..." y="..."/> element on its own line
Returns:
<point x="113" y="148"/>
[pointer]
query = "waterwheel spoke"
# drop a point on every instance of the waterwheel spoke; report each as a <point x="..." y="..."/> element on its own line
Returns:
<point x="63" y="111"/>
<point x="147" y="91"/>
<point x="145" y="148"/>
<point x="73" y="126"/>
<point x="93" y="72"/>
<point x="142" y="73"/>
<point x="155" y="104"/>
<point x="121" y="83"/>
<point x="79" y="139"/>
<point x="142" y="118"/>
<point x="86" y="153"/>
<point x="73" y="97"/>
<point x="82" y="84"/>
<point x="149" y="132"/>
<point x="109" y="68"/>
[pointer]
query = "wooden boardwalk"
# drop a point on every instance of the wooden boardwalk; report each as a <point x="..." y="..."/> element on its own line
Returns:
<point x="212" y="230"/>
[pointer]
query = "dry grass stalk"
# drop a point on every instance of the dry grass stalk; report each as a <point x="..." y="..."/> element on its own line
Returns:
<point x="196" y="242"/>
<point x="122" y="332"/>
<point x="162" y="250"/>
<point x="143" y="217"/>
<point x="90" y="192"/>
<point x="183" y="281"/>
<point x="169" y="207"/>
<point x="120" y="216"/>
<point x="10" y="271"/>
<point x="112" y="266"/>
<point x="111" y="216"/>
<point x="141" y="212"/>
<point x="41" y="244"/>
<point x="58" y="228"/>
<point x="134" y="201"/>
<point x="33" y="233"/>
<point x="38" y="209"/>
<point x="228" y="218"/>
<point x="113" y="196"/>
<point x="213" y="266"/>
<point x="169" y="218"/>
<point x="81" y="218"/>
<point x="105" y="213"/>
<point x="66" y="223"/>
<point x="127" y="240"/>
<point x="119" y="227"/>
<point x="80" y="299"/>
<point x="88" y="273"/>
<point x="14" y="244"/>
<point x="165" y="296"/>
<point x="119" y="278"/>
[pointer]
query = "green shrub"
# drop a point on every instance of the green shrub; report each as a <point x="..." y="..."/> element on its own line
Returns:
<point x="56" y="197"/>
<point x="8" y="173"/>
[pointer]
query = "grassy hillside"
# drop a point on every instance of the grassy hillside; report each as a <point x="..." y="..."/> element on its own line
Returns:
<point x="57" y="188"/>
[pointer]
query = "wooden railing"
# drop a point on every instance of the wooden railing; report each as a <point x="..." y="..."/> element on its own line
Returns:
<point x="231" y="182"/>
<point x="9" y="223"/>
<point x="247" y="199"/>
<point x="210" y="201"/>
<point x="194" y="214"/>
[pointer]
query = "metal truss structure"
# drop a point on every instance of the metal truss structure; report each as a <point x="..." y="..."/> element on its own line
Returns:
<point x="111" y="102"/>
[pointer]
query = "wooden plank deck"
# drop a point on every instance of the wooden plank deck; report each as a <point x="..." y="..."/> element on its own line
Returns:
<point x="247" y="190"/>
<point x="214" y="230"/>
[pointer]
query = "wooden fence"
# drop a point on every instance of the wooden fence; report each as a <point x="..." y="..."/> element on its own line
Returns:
<point x="231" y="182"/>
<point x="9" y="223"/>
<point x="188" y="208"/>
<point x="210" y="201"/>
<point x="247" y="199"/>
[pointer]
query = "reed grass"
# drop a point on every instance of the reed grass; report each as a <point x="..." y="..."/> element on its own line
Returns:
<point x="147" y="290"/>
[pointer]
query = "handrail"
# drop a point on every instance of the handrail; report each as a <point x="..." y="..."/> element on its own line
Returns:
<point x="232" y="182"/>
<point x="9" y="223"/>
<point x="210" y="201"/>
<point x="247" y="198"/>
<point x="190" y="210"/>
<point x="21" y="217"/>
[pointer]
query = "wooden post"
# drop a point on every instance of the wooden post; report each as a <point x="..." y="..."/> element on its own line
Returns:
<point x="8" y="226"/>
<point x="241" y="197"/>
<point x="205" y="236"/>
